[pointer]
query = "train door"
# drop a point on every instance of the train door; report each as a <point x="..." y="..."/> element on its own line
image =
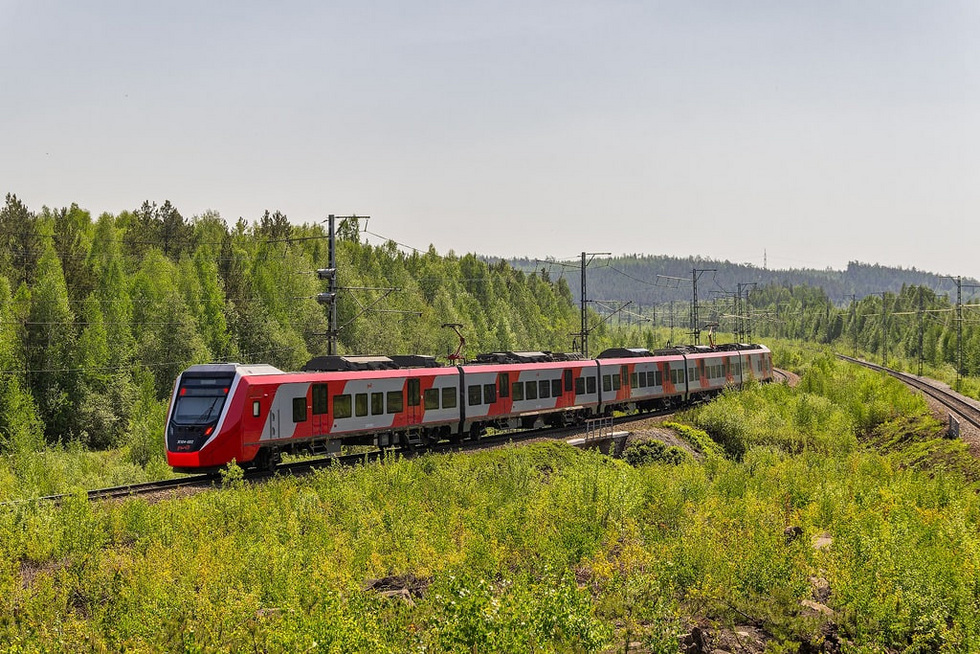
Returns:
<point x="274" y="422"/>
<point x="321" y="421"/>
<point x="414" y="408"/>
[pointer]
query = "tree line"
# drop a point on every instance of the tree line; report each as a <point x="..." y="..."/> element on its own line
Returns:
<point x="913" y="323"/>
<point x="649" y="280"/>
<point x="98" y="315"/>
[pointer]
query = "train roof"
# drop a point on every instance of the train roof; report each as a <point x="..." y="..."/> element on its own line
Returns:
<point x="525" y="357"/>
<point x="624" y="353"/>
<point x="339" y="363"/>
<point x="233" y="368"/>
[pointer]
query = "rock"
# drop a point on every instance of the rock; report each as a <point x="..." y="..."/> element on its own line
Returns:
<point x="820" y="589"/>
<point x="817" y="607"/>
<point x="822" y="541"/>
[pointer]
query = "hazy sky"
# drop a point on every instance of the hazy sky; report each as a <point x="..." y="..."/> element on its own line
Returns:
<point x="820" y="132"/>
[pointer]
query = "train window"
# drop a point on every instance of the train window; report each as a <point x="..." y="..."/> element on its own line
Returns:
<point x="692" y="373"/>
<point x="413" y="394"/>
<point x="360" y="405"/>
<point x="475" y="394"/>
<point x="568" y="380"/>
<point x="544" y="389"/>
<point x="341" y="406"/>
<point x="489" y="393"/>
<point x="624" y="374"/>
<point x="606" y="383"/>
<point x="531" y="390"/>
<point x="299" y="409"/>
<point x="658" y="378"/>
<point x="377" y="404"/>
<point x="319" y="399"/>
<point x="504" y="383"/>
<point x="616" y="382"/>
<point x="431" y="399"/>
<point x="641" y="379"/>
<point x="396" y="401"/>
<point x="590" y="385"/>
<point x="555" y="388"/>
<point x="635" y="380"/>
<point x="517" y="390"/>
<point x="449" y="398"/>
<point x="256" y="408"/>
<point x="580" y="386"/>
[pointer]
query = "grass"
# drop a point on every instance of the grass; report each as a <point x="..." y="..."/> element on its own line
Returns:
<point x="540" y="548"/>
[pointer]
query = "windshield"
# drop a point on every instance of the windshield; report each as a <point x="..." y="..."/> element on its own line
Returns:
<point x="198" y="409"/>
<point x="200" y="399"/>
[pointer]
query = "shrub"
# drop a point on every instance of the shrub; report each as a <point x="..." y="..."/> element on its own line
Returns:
<point x="654" y="451"/>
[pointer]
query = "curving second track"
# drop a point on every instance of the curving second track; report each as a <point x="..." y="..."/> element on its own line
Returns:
<point x="959" y="406"/>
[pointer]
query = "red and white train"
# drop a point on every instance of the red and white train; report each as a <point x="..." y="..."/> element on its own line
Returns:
<point x="252" y="413"/>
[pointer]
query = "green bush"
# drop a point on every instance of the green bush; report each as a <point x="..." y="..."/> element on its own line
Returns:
<point x="653" y="451"/>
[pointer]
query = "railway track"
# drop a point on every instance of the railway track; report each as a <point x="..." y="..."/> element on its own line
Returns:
<point x="952" y="401"/>
<point x="307" y="466"/>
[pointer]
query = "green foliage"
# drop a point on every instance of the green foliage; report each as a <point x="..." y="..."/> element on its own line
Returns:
<point x="616" y="555"/>
<point x="697" y="438"/>
<point x="232" y="476"/>
<point x="147" y="424"/>
<point x="148" y="290"/>
<point x="776" y="416"/>
<point x="654" y="451"/>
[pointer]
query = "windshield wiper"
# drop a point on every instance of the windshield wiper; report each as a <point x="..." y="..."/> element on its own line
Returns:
<point x="207" y="411"/>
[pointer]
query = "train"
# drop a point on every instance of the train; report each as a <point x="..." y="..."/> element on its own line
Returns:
<point x="252" y="414"/>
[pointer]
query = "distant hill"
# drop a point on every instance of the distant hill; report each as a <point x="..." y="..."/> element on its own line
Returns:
<point x="647" y="280"/>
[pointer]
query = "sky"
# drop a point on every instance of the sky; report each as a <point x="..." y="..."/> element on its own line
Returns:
<point x="795" y="134"/>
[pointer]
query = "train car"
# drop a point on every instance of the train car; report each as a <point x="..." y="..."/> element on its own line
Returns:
<point x="253" y="413"/>
<point x="647" y="381"/>
<point x="511" y="390"/>
<point x="221" y="412"/>
<point x="207" y="409"/>
<point x="756" y="362"/>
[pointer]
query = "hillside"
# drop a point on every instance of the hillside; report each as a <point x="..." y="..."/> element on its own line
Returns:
<point x="643" y="279"/>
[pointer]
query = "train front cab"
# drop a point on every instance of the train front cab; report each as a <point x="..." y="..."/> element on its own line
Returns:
<point x="203" y="429"/>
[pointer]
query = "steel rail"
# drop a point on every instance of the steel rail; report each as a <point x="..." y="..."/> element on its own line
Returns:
<point x="307" y="466"/>
<point x="952" y="401"/>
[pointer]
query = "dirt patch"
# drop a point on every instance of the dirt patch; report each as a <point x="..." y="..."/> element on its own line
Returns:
<point x="791" y="379"/>
<point x="404" y="587"/>
<point x="31" y="570"/>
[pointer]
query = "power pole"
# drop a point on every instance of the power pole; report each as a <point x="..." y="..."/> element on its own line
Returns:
<point x="920" y="331"/>
<point x="853" y="311"/>
<point x="330" y="297"/>
<point x="695" y="319"/>
<point x="741" y="319"/>
<point x="959" y="324"/>
<point x="330" y="274"/>
<point x="884" y="331"/>
<point x="584" y="333"/>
